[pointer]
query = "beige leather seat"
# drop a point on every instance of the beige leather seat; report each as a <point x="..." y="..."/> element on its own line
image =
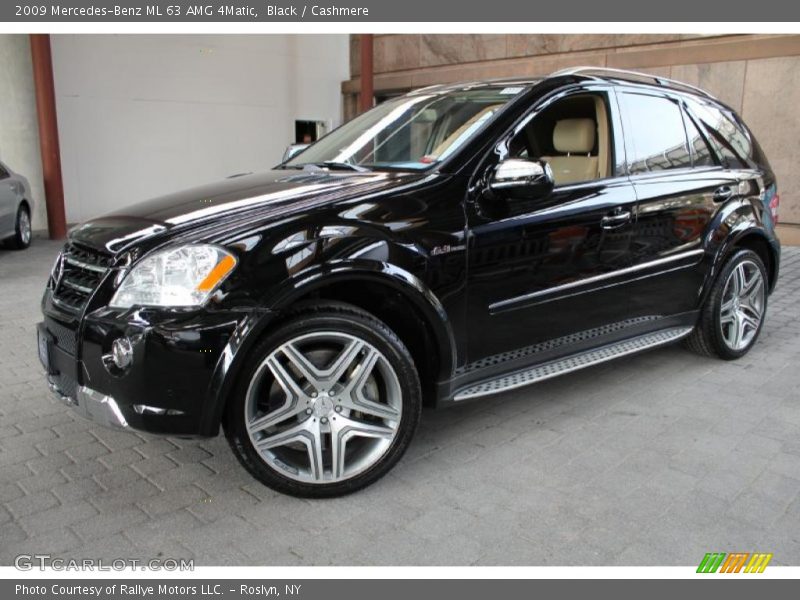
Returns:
<point x="574" y="138"/>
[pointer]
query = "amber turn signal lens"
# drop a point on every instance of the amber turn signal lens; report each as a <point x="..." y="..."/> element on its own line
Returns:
<point x="217" y="274"/>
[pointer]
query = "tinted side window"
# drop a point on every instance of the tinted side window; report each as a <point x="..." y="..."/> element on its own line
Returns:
<point x="3" y="172"/>
<point x="573" y="135"/>
<point x="657" y="139"/>
<point x="702" y="156"/>
<point x="732" y="140"/>
<point x="720" y="130"/>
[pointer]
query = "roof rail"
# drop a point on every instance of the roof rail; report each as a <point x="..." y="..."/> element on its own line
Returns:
<point x="623" y="73"/>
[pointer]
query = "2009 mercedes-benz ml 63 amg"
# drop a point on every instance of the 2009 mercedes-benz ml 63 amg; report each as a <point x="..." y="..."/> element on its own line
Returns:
<point x="447" y="245"/>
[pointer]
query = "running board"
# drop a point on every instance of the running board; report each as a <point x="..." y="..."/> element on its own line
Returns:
<point x="573" y="363"/>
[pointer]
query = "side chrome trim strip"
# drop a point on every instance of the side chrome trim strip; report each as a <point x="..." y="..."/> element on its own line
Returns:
<point x="573" y="363"/>
<point x="510" y="302"/>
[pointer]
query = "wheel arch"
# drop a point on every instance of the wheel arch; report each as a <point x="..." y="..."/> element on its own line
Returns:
<point x="759" y="243"/>
<point x="383" y="290"/>
<point x="756" y="240"/>
<point x="386" y="291"/>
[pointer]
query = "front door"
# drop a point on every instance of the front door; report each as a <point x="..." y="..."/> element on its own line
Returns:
<point x="548" y="271"/>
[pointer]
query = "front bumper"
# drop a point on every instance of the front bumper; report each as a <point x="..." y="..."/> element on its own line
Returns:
<point x="93" y="405"/>
<point x="172" y="384"/>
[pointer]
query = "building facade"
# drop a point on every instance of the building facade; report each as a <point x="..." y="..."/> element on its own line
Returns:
<point x="144" y="115"/>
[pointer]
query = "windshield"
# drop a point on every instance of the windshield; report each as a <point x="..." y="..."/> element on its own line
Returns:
<point x="409" y="133"/>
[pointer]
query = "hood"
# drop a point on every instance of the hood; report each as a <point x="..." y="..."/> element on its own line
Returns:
<point x="260" y="195"/>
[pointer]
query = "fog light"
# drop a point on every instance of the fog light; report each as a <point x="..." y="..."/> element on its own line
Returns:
<point x="143" y="409"/>
<point x="122" y="353"/>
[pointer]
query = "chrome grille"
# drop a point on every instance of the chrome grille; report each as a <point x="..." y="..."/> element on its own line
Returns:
<point x="82" y="270"/>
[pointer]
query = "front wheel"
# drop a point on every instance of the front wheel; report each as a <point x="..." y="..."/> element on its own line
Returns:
<point x="734" y="312"/>
<point x="326" y="405"/>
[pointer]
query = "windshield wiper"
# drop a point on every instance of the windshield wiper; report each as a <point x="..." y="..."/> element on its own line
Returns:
<point x="336" y="165"/>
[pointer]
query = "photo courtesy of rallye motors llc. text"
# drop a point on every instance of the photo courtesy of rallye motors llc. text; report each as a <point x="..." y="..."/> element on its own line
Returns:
<point x="144" y="591"/>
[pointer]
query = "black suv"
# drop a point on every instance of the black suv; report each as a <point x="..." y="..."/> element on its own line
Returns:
<point x="447" y="245"/>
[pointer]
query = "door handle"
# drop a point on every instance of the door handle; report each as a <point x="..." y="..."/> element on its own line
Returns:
<point x="723" y="193"/>
<point x="616" y="219"/>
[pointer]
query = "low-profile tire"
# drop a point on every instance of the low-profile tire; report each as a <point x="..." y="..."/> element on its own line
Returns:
<point x="326" y="403"/>
<point x="22" y="231"/>
<point x="734" y="312"/>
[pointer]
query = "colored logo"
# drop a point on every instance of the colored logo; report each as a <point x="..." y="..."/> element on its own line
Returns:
<point x="734" y="562"/>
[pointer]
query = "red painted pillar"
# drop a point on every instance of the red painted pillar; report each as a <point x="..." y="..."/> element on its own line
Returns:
<point x="48" y="135"/>
<point x="367" y="90"/>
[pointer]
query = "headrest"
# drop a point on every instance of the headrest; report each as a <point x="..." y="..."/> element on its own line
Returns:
<point x="574" y="135"/>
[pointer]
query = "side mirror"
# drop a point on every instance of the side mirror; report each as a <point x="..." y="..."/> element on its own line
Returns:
<point x="294" y="150"/>
<point x="522" y="178"/>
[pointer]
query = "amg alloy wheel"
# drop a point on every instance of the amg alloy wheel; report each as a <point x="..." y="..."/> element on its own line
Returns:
<point x="742" y="306"/>
<point x="734" y="312"/>
<point x="328" y="406"/>
<point x="323" y="407"/>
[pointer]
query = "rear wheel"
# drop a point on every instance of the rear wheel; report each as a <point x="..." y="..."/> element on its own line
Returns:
<point x="326" y="405"/>
<point x="734" y="313"/>
<point x="23" y="233"/>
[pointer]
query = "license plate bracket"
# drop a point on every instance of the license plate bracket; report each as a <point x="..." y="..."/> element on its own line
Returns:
<point x="43" y="343"/>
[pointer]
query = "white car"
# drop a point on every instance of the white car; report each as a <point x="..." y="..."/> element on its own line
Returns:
<point x="16" y="207"/>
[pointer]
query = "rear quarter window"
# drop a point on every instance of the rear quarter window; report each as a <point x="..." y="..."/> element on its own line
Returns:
<point x="702" y="155"/>
<point x="730" y="137"/>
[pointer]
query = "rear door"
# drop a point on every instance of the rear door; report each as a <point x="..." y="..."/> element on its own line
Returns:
<point x="679" y="184"/>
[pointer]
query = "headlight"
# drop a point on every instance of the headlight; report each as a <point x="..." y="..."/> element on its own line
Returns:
<point x="181" y="276"/>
